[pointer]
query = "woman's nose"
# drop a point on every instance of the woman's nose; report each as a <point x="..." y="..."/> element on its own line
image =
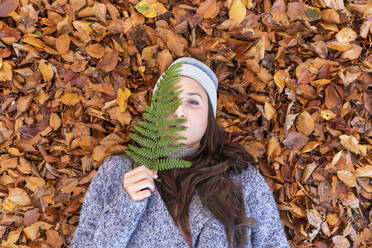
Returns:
<point x="179" y="113"/>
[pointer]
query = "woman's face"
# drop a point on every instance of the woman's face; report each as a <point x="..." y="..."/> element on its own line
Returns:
<point x="194" y="108"/>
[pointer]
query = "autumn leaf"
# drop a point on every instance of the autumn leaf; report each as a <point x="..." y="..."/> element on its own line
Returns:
<point x="237" y="11"/>
<point x="122" y="98"/>
<point x="7" y="6"/>
<point x="70" y="99"/>
<point x="5" y="71"/>
<point x="150" y="8"/>
<point x="46" y="70"/>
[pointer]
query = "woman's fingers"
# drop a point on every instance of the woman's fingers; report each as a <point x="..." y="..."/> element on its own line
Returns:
<point x="143" y="184"/>
<point x="139" y="183"/>
<point x="141" y="195"/>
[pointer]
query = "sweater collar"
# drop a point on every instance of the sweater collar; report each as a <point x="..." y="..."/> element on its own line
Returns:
<point x="183" y="152"/>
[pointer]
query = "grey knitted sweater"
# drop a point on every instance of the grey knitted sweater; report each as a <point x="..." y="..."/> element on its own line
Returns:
<point x="110" y="218"/>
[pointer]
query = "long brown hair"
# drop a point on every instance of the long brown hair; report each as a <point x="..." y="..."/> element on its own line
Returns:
<point x="209" y="177"/>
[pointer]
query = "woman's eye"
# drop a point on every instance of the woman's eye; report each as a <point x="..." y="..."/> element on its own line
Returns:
<point x="194" y="102"/>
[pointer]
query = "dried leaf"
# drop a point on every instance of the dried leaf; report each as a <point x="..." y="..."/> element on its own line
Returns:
<point x="19" y="196"/>
<point x="305" y="123"/>
<point x="295" y="141"/>
<point x="346" y="35"/>
<point x="122" y="98"/>
<point x="208" y="9"/>
<point x="109" y="60"/>
<point x="95" y="50"/>
<point x="237" y="11"/>
<point x="270" y="111"/>
<point x="347" y="177"/>
<point x="307" y="172"/>
<point x="340" y="242"/>
<point x="70" y="99"/>
<point x="150" y="8"/>
<point x="7" y="6"/>
<point x="63" y="44"/>
<point x="5" y="71"/>
<point x="55" y="121"/>
<point x="327" y="114"/>
<point x="365" y="171"/>
<point x="46" y="70"/>
<point x="273" y="148"/>
<point x="352" y="144"/>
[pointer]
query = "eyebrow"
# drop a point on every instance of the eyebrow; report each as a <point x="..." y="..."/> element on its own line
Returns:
<point x="192" y="94"/>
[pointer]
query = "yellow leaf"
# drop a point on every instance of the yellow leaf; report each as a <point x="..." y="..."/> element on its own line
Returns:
<point x="5" y="71"/>
<point x="310" y="146"/>
<point x="327" y="114"/>
<point x="46" y="70"/>
<point x="70" y="99"/>
<point x="121" y="98"/>
<point x="249" y="4"/>
<point x="49" y="198"/>
<point x="280" y="84"/>
<point x="33" y="42"/>
<point x="320" y="82"/>
<point x="8" y="205"/>
<point x="237" y="11"/>
<point x="270" y="111"/>
<point x="32" y="231"/>
<point x="150" y="8"/>
<point x="14" y="151"/>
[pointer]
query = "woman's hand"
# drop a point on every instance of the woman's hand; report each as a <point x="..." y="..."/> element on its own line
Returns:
<point x="139" y="183"/>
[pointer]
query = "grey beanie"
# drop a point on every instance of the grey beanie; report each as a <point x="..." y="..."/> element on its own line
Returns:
<point x="200" y="72"/>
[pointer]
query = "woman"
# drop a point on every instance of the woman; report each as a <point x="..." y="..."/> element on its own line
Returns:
<point x="220" y="201"/>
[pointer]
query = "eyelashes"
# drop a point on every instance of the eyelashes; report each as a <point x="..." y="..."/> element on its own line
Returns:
<point x="193" y="102"/>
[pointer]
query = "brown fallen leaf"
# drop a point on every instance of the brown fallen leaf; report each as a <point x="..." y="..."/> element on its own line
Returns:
<point x="347" y="177"/>
<point x="5" y="71"/>
<point x="31" y="216"/>
<point x="295" y="141"/>
<point x="55" y="121"/>
<point x="46" y="70"/>
<point x="365" y="171"/>
<point x="70" y="99"/>
<point x="308" y="171"/>
<point x="54" y="239"/>
<point x="340" y="241"/>
<point x="63" y="43"/>
<point x="109" y="60"/>
<point x="95" y="50"/>
<point x="208" y="9"/>
<point x="305" y="123"/>
<point x="7" y="6"/>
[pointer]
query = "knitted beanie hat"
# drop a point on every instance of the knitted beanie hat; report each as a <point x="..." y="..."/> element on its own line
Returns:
<point x="200" y="72"/>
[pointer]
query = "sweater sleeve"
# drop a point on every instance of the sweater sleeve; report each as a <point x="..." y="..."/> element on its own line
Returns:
<point x="108" y="215"/>
<point x="268" y="231"/>
<point x="92" y="206"/>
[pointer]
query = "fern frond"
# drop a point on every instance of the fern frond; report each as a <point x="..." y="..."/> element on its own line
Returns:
<point x="155" y="138"/>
